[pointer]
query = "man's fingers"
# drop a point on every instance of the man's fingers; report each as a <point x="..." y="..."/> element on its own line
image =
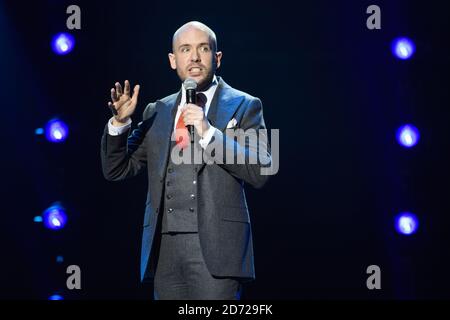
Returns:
<point x="135" y="93"/>
<point x="187" y="121"/>
<point x="118" y="90"/>
<point x="190" y="117"/>
<point x="194" y="110"/>
<point x="114" y="95"/>
<point x="111" y="107"/>
<point x="192" y="107"/>
<point x="127" y="88"/>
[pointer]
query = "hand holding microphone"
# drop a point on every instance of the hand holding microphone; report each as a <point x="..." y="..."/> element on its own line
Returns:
<point x="193" y="115"/>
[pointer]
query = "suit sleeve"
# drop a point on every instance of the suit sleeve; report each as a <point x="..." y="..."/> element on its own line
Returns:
<point x="125" y="155"/>
<point x="245" y="151"/>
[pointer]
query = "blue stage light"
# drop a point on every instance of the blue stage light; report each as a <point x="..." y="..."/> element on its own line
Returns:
<point x="406" y="223"/>
<point x="55" y="217"/>
<point x="55" y="297"/>
<point x="63" y="43"/>
<point x="408" y="135"/>
<point x="56" y="131"/>
<point x="39" y="131"/>
<point x="37" y="219"/>
<point x="403" y="48"/>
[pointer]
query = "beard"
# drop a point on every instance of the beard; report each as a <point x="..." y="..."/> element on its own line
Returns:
<point x="203" y="83"/>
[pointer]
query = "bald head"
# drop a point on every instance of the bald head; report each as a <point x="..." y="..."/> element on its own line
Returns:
<point x="198" y="26"/>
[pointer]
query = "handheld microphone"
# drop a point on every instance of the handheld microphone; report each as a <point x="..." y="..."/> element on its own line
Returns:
<point x="191" y="97"/>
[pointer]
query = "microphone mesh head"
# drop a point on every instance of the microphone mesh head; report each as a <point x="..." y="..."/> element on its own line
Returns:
<point x="190" y="84"/>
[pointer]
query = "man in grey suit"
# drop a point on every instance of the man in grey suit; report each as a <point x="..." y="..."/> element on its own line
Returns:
<point x="197" y="241"/>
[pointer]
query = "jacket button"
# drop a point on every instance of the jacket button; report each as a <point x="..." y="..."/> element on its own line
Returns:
<point x="194" y="182"/>
<point x="192" y="196"/>
<point x="170" y="170"/>
<point x="170" y="210"/>
<point x="169" y="196"/>
<point x="191" y="209"/>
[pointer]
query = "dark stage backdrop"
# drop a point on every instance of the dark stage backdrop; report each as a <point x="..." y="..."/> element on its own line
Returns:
<point x="331" y="86"/>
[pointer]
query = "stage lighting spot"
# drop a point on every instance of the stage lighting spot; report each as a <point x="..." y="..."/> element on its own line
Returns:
<point x="63" y="43"/>
<point x="37" y="219"/>
<point x="408" y="135"/>
<point x="403" y="48"/>
<point x="55" y="217"/>
<point x="406" y="223"/>
<point x="56" y="131"/>
<point x="39" y="131"/>
<point x="59" y="259"/>
<point x="55" y="297"/>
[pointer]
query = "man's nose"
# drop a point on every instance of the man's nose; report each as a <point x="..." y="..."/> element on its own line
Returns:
<point x="195" y="57"/>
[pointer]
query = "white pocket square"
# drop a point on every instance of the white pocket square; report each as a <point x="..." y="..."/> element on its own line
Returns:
<point x="232" y="123"/>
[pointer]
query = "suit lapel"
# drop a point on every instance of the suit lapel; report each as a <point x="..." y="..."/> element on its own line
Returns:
<point x="225" y="102"/>
<point x="223" y="106"/>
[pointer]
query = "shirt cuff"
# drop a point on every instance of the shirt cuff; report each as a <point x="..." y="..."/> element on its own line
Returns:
<point x="115" y="131"/>
<point x="207" y="137"/>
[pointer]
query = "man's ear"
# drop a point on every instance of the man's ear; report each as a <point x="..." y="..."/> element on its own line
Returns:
<point x="173" y="63"/>
<point x="218" y="59"/>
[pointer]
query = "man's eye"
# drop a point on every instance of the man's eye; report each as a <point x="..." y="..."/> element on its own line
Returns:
<point x="184" y="49"/>
<point x="205" y="49"/>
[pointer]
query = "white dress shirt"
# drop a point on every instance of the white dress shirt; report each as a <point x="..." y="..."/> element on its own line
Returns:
<point x="209" y="93"/>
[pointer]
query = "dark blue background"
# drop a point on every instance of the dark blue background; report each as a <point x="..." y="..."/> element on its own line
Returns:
<point x="330" y="85"/>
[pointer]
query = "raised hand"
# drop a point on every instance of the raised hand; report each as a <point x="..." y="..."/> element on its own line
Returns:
<point x="123" y="104"/>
